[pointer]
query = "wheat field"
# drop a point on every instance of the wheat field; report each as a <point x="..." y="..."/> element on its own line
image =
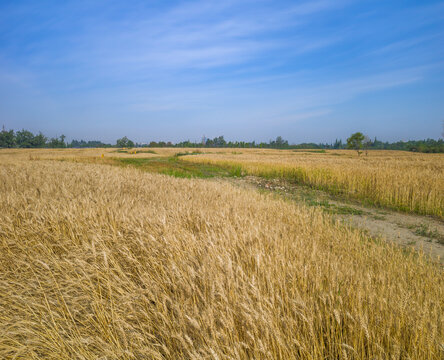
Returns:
<point x="399" y="180"/>
<point x="103" y="262"/>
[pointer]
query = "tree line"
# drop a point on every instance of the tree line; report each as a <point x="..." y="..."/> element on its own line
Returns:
<point x="26" y="139"/>
<point x="358" y="141"/>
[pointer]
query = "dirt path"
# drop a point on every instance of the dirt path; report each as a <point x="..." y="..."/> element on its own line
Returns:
<point x="408" y="230"/>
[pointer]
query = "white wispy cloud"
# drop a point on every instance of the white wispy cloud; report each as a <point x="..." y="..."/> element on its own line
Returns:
<point x="197" y="35"/>
<point x="220" y="61"/>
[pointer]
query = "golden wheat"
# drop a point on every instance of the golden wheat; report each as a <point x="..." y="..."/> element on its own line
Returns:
<point x="113" y="263"/>
<point x="400" y="180"/>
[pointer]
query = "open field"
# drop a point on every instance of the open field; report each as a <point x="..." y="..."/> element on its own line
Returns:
<point x="403" y="181"/>
<point x="399" y="180"/>
<point x="102" y="260"/>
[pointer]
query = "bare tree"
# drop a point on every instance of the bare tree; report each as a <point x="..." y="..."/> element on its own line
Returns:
<point x="366" y="144"/>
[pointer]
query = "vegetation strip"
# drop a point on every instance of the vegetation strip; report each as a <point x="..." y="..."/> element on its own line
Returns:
<point x="172" y="166"/>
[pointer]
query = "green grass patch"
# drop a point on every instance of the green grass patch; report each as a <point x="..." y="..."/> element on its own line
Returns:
<point x="311" y="197"/>
<point x="131" y="151"/>
<point x="146" y="152"/>
<point x="333" y="208"/>
<point x="195" y="152"/>
<point x="379" y="217"/>
<point x="321" y="151"/>
<point x="424" y="230"/>
<point x="173" y="166"/>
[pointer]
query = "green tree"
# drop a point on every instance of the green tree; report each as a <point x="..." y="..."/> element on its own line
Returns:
<point x="355" y="141"/>
<point x="279" y="143"/>
<point x="57" y="142"/>
<point x="338" y="144"/>
<point x="7" y="138"/>
<point x="124" y="142"/>
<point x="24" y="138"/>
<point x="39" y="141"/>
<point x="219" y="141"/>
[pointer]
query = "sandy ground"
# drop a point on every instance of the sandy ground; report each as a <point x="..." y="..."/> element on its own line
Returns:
<point x="408" y="230"/>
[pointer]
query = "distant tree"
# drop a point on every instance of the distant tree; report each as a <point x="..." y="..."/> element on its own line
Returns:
<point x="77" y="144"/>
<point x="279" y="143"/>
<point x="377" y="144"/>
<point x="53" y="143"/>
<point x="57" y="142"/>
<point x="7" y="138"/>
<point x="124" y="142"/>
<point x="39" y="141"/>
<point x="338" y="144"/>
<point x="87" y="144"/>
<point x="219" y="141"/>
<point x="355" y="141"/>
<point x="24" y="139"/>
<point x="209" y="143"/>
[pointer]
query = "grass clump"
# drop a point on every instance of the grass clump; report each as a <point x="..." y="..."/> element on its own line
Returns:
<point x="134" y="151"/>
<point x="333" y="208"/>
<point x="424" y="230"/>
<point x="146" y="152"/>
<point x="194" y="152"/>
<point x="320" y="151"/>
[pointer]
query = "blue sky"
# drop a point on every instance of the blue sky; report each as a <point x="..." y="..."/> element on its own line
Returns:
<point x="249" y="70"/>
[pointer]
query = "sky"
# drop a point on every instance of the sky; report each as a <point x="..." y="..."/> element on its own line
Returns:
<point x="309" y="71"/>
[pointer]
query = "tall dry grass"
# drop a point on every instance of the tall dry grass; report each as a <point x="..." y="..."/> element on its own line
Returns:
<point x="100" y="262"/>
<point x="399" y="180"/>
